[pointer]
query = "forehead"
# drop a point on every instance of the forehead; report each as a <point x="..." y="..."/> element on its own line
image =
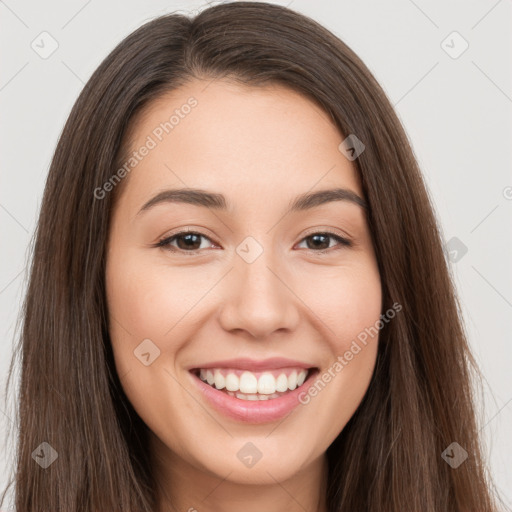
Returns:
<point x="254" y="142"/>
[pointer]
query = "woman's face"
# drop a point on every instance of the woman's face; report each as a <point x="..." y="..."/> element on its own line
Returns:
<point x="258" y="294"/>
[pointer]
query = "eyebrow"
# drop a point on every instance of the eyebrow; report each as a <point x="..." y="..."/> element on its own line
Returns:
<point x="217" y="201"/>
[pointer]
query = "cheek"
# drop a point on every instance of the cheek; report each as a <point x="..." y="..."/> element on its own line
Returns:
<point x="151" y="300"/>
<point x="136" y="301"/>
<point x="145" y="299"/>
<point x="145" y="302"/>
<point x="349" y="305"/>
<point x="359" y="311"/>
<point x="346" y="300"/>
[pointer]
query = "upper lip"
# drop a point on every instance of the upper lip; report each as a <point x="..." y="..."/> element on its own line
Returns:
<point x="254" y="364"/>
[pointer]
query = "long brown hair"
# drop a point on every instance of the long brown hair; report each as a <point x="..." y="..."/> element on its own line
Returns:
<point x="420" y="399"/>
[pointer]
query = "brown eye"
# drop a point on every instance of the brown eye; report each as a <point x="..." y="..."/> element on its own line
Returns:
<point x="187" y="241"/>
<point x="319" y="242"/>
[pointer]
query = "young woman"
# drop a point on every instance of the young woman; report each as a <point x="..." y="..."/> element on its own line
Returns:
<point x="238" y="296"/>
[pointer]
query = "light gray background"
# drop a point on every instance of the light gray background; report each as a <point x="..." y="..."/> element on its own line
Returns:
<point x="456" y="111"/>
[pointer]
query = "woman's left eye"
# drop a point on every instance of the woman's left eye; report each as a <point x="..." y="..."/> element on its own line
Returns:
<point x="190" y="241"/>
<point x="318" y="239"/>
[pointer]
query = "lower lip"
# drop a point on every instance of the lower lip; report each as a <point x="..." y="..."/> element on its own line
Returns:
<point x="253" y="411"/>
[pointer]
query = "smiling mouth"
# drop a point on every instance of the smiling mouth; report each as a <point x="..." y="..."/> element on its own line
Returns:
<point x="247" y="385"/>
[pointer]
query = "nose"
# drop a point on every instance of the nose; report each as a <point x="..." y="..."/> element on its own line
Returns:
<point x="258" y="298"/>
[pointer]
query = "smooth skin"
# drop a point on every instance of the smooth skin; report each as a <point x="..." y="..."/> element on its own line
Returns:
<point x="260" y="147"/>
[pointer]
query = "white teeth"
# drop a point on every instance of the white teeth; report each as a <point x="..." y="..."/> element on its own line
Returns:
<point x="266" y="384"/>
<point x="220" y="381"/>
<point x="249" y="386"/>
<point x="248" y="383"/>
<point x="243" y="396"/>
<point x="232" y="382"/>
<point x="292" y="380"/>
<point x="282" y="383"/>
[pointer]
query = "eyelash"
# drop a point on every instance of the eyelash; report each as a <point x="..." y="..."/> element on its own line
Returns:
<point x="165" y="242"/>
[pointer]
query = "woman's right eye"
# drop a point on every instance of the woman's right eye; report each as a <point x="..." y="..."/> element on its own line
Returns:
<point x="187" y="242"/>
